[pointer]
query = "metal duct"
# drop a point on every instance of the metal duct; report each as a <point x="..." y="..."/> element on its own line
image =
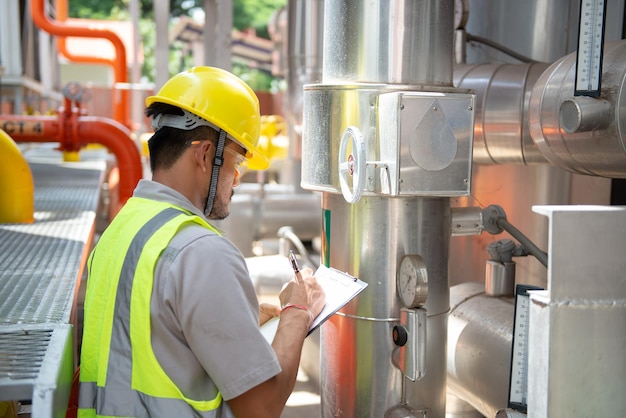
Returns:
<point x="501" y="131"/>
<point x="386" y="42"/>
<point x="479" y="347"/>
<point x="596" y="141"/>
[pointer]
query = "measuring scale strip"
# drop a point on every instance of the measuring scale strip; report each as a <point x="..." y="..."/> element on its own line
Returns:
<point x="518" y="383"/>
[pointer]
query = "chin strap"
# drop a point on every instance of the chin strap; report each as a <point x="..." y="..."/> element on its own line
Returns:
<point x="218" y="161"/>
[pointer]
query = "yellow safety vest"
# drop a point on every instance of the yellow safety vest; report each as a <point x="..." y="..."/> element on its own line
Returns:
<point x="120" y="375"/>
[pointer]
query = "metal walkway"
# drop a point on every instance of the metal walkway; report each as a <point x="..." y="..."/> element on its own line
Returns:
<point x="41" y="265"/>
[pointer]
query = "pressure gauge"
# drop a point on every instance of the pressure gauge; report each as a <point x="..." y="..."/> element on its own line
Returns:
<point x="412" y="281"/>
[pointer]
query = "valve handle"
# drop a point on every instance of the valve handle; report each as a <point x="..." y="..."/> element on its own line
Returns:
<point x="352" y="164"/>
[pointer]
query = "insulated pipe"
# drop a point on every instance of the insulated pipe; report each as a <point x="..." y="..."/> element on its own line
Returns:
<point x="387" y="42"/>
<point x="120" y="102"/>
<point x="501" y="128"/>
<point x="527" y="113"/>
<point x="75" y="131"/>
<point x="369" y="49"/>
<point x="596" y="141"/>
<point x="480" y="330"/>
<point x="16" y="184"/>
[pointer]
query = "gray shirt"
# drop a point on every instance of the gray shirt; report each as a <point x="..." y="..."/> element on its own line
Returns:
<point x="205" y="312"/>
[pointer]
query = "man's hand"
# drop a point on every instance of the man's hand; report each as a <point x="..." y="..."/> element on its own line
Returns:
<point x="303" y="290"/>
<point x="267" y="311"/>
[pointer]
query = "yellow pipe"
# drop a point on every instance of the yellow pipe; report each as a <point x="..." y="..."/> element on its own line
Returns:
<point x="17" y="204"/>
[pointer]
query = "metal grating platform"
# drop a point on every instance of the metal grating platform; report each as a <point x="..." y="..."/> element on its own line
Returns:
<point x="41" y="266"/>
<point x="40" y="263"/>
<point x="21" y="353"/>
<point x="36" y="362"/>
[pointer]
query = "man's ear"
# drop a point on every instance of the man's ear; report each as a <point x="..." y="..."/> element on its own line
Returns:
<point x="202" y="155"/>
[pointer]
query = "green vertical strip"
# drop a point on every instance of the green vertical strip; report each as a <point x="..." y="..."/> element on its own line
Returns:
<point x="326" y="237"/>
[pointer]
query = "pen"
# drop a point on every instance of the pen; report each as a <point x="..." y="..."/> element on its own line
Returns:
<point x="294" y="262"/>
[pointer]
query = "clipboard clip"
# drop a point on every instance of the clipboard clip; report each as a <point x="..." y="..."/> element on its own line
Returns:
<point x="354" y="279"/>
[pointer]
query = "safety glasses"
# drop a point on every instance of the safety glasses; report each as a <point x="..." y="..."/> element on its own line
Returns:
<point x="239" y="160"/>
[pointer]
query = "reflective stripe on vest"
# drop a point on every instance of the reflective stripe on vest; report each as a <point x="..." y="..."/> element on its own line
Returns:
<point x="127" y="379"/>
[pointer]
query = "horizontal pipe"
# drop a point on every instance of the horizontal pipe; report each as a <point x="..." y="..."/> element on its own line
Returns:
<point x="501" y="127"/>
<point x="75" y="132"/>
<point x="584" y="136"/>
<point x="480" y="331"/>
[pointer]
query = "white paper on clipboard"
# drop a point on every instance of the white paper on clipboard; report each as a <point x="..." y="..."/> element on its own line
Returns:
<point x="340" y="288"/>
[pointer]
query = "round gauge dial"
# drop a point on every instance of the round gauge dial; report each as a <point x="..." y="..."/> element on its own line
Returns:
<point x="412" y="281"/>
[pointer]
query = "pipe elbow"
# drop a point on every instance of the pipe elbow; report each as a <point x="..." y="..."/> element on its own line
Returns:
<point x="115" y="137"/>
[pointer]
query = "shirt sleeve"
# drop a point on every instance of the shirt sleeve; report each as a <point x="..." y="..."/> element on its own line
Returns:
<point x="218" y="312"/>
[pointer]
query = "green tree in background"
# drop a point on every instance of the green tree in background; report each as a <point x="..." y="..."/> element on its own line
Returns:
<point x="247" y="14"/>
<point x="115" y="9"/>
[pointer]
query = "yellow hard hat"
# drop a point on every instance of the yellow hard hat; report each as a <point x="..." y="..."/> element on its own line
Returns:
<point x="222" y="99"/>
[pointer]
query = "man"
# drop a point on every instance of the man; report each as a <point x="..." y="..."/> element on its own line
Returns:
<point x="171" y="324"/>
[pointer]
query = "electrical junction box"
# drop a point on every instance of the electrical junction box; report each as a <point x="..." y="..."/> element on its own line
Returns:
<point x="426" y="143"/>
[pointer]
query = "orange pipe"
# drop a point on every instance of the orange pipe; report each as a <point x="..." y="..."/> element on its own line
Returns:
<point x="120" y="99"/>
<point x="62" y="14"/>
<point x="73" y="131"/>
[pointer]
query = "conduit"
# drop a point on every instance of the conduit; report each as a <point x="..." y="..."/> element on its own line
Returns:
<point x="73" y="131"/>
<point x="16" y="184"/>
<point x="120" y="98"/>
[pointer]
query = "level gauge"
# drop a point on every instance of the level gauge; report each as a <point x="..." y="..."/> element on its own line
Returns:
<point x="518" y="383"/>
<point x="590" y="48"/>
<point x="412" y="281"/>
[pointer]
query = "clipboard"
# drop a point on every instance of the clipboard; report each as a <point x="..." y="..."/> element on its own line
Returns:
<point x="340" y="288"/>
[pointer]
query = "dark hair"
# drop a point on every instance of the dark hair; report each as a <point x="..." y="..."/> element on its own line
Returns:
<point x="168" y="144"/>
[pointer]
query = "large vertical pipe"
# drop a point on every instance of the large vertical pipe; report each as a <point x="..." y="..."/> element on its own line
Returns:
<point x="371" y="48"/>
<point x="304" y="66"/>
<point x="368" y="239"/>
<point x="397" y="42"/>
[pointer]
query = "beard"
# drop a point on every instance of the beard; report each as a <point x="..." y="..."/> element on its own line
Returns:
<point x="220" y="209"/>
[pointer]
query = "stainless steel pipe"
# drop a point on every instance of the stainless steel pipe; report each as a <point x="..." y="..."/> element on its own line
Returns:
<point x="480" y="329"/>
<point x="370" y="49"/>
<point x="600" y="148"/>
<point x="368" y="239"/>
<point x="501" y="125"/>
<point x="387" y="42"/>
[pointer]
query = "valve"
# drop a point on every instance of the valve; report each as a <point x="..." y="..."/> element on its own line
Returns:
<point x="352" y="164"/>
